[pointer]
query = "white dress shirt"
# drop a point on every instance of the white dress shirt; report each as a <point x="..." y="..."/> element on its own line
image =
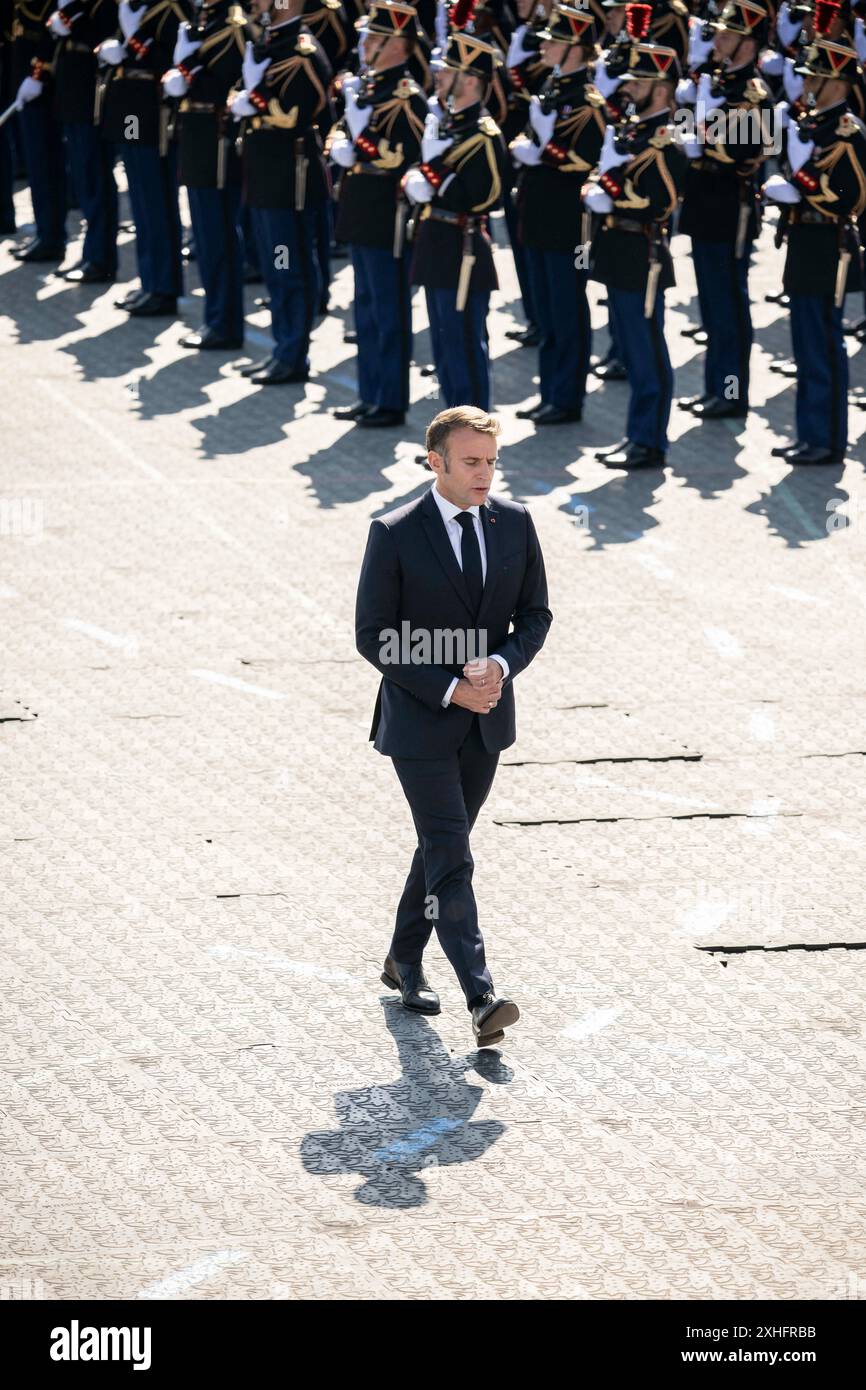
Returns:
<point x="449" y="511"/>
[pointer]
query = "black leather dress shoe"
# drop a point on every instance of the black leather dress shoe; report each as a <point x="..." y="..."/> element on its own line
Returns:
<point x="210" y="341"/>
<point x="530" y="336"/>
<point x="636" y="456"/>
<point x="490" y="1015"/>
<point x="611" y="370"/>
<point x="351" y="412"/>
<point x="413" y="985"/>
<point x="784" y="367"/>
<point x="252" y="368"/>
<point x="609" y="449"/>
<point x="36" y="250"/>
<point x="781" y="297"/>
<point x="378" y="419"/>
<point x="278" y="373"/>
<point x="127" y="300"/>
<point x="810" y="453"/>
<point x="529" y="412"/>
<point x="153" y="306"/>
<point x="781" y="451"/>
<point x="552" y="415"/>
<point x="689" y="402"/>
<point x="716" y="409"/>
<point x="691" y="331"/>
<point x="89" y="274"/>
<point x="350" y="335"/>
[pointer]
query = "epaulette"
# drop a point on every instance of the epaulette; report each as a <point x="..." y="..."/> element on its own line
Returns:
<point x="662" y="138"/>
<point x="850" y="125"/>
<point x="237" y="16"/>
<point x="593" y="96"/>
<point x="333" y="4"/>
<point x="488" y="126"/>
<point x="306" y="45"/>
<point x="678" y="7"/>
<point x="406" y="87"/>
<point x="755" y="91"/>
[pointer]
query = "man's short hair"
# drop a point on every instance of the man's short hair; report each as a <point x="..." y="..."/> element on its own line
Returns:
<point x="457" y="418"/>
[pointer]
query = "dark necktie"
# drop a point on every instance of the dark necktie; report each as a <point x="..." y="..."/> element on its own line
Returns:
<point x="470" y="559"/>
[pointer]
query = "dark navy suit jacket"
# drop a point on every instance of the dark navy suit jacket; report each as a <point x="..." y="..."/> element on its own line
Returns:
<point x="411" y="574"/>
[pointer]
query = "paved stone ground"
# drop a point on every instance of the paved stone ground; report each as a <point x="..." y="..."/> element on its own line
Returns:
<point x="206" y="1091"/>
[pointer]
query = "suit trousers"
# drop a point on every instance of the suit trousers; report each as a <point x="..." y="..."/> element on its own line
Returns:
<point x="445" y="796"/>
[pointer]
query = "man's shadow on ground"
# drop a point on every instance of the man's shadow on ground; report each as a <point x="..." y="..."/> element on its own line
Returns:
<point x="391" y="1134"/>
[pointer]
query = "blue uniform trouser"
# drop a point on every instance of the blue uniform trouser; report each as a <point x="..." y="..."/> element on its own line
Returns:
<point x="152" y="180"/>
<point x="723" y="294"/>
<point x="91" y="163"/>
<point x="822" y="371"/>
<point x="523" y="279"/>
<point x="286" y="244"/>
<point x="383" y="319"/>
<point x="645" y="357"/>
<point x="324" y="236"/>
<point x="215" y="213"/>
<point x="44" y="157"/>
<point x="460" y="349"/>
<point x="559" y="294"/>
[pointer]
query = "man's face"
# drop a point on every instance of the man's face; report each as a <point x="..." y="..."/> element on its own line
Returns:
<point x="726" y="44"/>
<point x="637" y="91"/>
<point x="470" y="457"/>
<point x="614" y="21"/>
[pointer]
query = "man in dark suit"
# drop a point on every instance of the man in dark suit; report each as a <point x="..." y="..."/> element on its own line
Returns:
<point x="446" y="580"/>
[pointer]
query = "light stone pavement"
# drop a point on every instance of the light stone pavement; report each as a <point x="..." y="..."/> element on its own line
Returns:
<point x="206" y="1091"/>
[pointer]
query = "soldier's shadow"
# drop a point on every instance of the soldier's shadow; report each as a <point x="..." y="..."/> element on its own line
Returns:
<point x="617" y="512"/>
<point x="391" y="1134"/>
<point x="802" y="506"/>
<point x="709" y="470"/>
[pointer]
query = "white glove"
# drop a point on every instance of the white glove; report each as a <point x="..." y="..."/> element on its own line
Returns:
<point x="860" y="39"/>
<point x="251" y="71"/>
<point x="357" y="117"/>
<point x="416" y="187"/>
<point x="525" y="151"/>
<point x="174" y="84"/>
<point x="799" y="150"/>
<point x="60" y="25"/>
<point x="609" y="157"/>
<point x="434" y="107"/>
<point x="692" y="149"/>
<point x="786" y="27"/>
<point x="240" y="105"/>
<point x="343" y="151"/>
<point x="184" y="45"/>
<point x="30" y="89"/>
<point x="130" y="19"/>
<point x="542" y="124"/>
<point x="793" y="81"/>
<point x="780" y="190"/>
<point x="783" y="114"/>
<point x="431" y="145"/>
<point x="771" y="62"/>
<point x="686" y="93"/>
<point x="349" y="83"/>
<point x="517" y="54"/>
<point x="440" y="23"/>
<point x="706" y="102"/>
<point x="111" y="52"/>
<point x="606" y="85"/>
<point x="597" y="200"/>
<point x="699" y="48"/>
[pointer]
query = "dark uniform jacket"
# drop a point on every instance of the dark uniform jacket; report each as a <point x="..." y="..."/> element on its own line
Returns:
<point x="390" y="144"/>
<point x="205" y="153"/>
<point x="75" y="64"/>
<point x="645" y="190"/>
<point x="329" y="24"/>
<point x="133" y="88"/>
<point x="832" y="186"/>
<point x="283" y="153"/>
<point x="726" y="176"/>
<point x="453" y="223"/>
<point x="548" y="198"/>
<point x="31" y="40"/>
